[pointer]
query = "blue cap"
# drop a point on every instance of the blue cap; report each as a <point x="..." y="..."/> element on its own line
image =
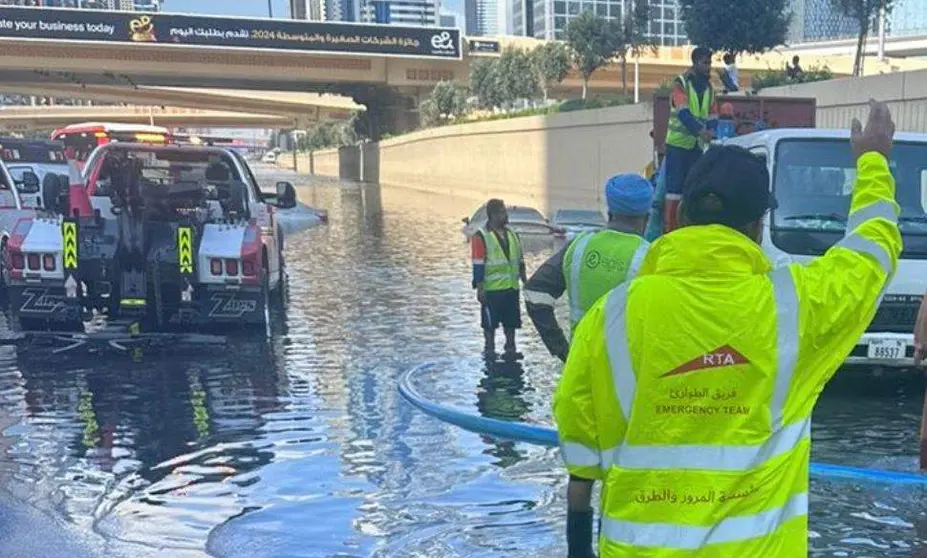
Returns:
<point x="629" y="194"/>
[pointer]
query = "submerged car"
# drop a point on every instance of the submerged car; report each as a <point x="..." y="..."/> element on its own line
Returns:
<point x="568" y="223"/>
<point x="523" y="220"/>
<point x="160" y="235"/>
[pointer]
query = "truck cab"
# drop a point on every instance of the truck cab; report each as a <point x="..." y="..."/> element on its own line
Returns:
<point x="813" y="173"/>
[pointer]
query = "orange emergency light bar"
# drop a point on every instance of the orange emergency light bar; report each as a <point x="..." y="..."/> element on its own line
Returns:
<point x="151" y="138"/>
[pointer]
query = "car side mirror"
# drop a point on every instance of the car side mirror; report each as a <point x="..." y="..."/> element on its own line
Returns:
<point x="465" y="220"/>
<point x="286" y="195"/>
<point x="29" y="183"/>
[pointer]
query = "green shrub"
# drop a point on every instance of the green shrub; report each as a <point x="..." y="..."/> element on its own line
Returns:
<point x="774" y="78"/>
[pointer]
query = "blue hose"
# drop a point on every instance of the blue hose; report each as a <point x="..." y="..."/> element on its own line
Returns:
<point x="543" y="436"/>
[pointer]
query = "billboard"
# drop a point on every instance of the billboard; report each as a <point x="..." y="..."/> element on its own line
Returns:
<point x="270" y="34"/>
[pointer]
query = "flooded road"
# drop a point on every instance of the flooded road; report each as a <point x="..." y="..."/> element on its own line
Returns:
<point x="302" y="446"/>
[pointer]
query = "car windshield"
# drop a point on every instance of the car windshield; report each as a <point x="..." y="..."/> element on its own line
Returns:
<point x="173" y="166"/>
<point x="579" y="217"/>
<point x="814" y="179"/>
<point x="524" y="214"/>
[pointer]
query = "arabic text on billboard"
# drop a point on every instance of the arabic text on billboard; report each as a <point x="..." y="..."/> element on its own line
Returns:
<point x="135" y="27"/>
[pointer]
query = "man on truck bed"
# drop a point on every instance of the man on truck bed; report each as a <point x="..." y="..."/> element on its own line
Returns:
<point x="692" y="104"/>
<point x="689" y="390"/>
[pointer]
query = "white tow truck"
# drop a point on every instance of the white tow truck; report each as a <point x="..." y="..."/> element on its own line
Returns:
<point x="813" y="173"/>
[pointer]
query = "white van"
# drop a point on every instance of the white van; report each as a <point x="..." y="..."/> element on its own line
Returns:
<point x="813" y="173"/>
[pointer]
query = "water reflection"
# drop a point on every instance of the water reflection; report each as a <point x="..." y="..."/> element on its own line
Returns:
<point x="303" y="447"/>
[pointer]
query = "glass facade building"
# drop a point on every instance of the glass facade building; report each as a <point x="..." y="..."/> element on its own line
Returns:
<point x="547" y="19"/>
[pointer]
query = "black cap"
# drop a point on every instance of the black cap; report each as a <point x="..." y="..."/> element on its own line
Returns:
<point x="729" y="186"/>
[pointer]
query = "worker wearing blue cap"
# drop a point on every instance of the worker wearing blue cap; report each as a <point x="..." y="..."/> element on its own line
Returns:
<point x="590" y="266"/>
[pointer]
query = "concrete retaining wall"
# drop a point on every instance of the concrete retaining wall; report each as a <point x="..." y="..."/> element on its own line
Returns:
<point x="841" y="100"/>
<point x="547" y="162"/>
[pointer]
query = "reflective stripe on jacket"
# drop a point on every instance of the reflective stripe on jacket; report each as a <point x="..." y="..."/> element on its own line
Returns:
<point x="677" y="134"/>
<point x="596" y="263"/>
<point x="502" y="272"/>
<point x="701" y="434"/>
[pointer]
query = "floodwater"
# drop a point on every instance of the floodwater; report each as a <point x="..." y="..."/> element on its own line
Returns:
<point x="302" y="446"/>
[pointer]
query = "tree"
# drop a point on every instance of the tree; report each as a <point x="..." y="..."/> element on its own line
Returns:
<point x="551" y="61"/>
<point x="866" y="13"/>
<point x="736" y="26"/>
<point x="633" y="38"/>
<point x="514" y="75"/>
<point x="447" y="100"/>
<point x="594" y="41"/>
<point x="482" y="83"/>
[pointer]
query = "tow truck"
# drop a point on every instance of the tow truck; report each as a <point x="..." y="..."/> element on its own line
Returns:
<point x="161" y="238"/>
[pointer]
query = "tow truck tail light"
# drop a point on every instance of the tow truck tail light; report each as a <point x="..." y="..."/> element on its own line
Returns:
<point x="231" y="267"/>
<point x="247" y="268"/>
<point x="48" y="262"/>
<point x="215" y="266"/>
<point x="33" y="260"/>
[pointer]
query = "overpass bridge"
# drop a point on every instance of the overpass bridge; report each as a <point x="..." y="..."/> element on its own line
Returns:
<point x="302" y="107"/>
<point x="17" y="119"/>
<point x="171" y="59"/>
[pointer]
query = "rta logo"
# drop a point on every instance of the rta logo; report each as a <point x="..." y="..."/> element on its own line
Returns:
<point x="718" y="358"/>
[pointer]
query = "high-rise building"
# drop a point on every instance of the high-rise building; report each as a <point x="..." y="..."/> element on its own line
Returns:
<point x="547" y="19"/>
<point x="470" y="17"/>
<point x="909" y="17"/>
<point x="817" y="20"/>
<point x="447" y="19"/>
<point x="486" y="17"/>
<point x="307" y="9"/>
<point x="400" y="12"/>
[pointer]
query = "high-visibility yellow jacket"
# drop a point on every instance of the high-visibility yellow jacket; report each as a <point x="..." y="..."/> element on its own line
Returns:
<point x="689" y="391"/>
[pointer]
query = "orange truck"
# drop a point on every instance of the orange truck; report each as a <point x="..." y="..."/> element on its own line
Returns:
<point x="750" y="113"/>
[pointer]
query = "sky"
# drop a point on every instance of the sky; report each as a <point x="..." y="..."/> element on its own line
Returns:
<point x="252" y="8"/>
<point x="256" y="8"/>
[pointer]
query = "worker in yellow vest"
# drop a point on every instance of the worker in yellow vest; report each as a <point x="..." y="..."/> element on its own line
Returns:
<point x="689" y="390"/>
<point x="693" y="113"/>
<point x="498" y="265"/>
<point x="590" y="266"/>
<point x="593" y="263"/>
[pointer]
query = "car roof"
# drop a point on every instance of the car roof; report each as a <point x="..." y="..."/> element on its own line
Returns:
<point x="26" y="141"/>
<point x="126" y="146"/>
<point x="772" y="136"/>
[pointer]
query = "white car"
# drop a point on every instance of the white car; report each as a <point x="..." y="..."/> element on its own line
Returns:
<point x="32" y="192"/>
<point x="522" y="220"/>
<point x="568" y="223"/>
<point x="813" y="173"/>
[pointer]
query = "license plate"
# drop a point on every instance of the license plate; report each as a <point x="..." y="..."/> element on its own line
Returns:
<point x="886" y="349"/>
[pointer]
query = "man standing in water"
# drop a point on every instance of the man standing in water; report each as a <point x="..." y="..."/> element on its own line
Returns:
<point x="689" y="390"/>
<point x="498" y="265"/>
